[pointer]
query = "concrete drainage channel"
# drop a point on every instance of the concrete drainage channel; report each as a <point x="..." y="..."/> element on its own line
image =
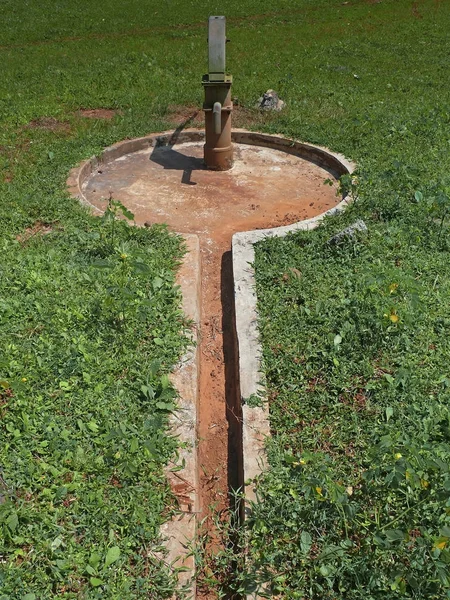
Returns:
<point x="275" y="187"/>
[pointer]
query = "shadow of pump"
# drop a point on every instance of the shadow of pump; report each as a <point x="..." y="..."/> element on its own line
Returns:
<point x="167" y="157"/>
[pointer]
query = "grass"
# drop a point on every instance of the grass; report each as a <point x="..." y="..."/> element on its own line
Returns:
<point x="85" y="349"/>
<point x="356" y="503"/>
<point x="86" y="341"/>
<point x="90" y="327"/>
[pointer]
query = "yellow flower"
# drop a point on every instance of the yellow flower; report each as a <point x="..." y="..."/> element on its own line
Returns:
<point x="392" y="316"/>
<point x="123" y="256"/>
<point x="393" y="287"/>
<point x="397" y="456"/>
<point x="24" y="379"/>
<point x="302" y="462"/>
<point x="319" y="491"/>
<point x="440" y="543"/>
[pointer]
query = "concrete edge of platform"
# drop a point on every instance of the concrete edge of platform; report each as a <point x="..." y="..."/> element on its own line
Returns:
<point x="255" y="419"/>
<point x="179" y="533"/>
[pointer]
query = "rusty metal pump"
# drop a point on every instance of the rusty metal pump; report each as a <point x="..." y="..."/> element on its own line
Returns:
<point x="218" y="149"/>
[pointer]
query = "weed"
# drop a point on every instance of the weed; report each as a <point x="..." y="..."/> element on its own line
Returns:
<point x="113" y="210"/>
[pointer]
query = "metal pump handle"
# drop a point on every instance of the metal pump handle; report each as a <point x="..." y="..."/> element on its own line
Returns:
<point x="216" y="48"/>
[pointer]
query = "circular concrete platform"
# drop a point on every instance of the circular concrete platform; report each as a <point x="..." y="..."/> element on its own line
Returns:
<point x="162" y="179"/>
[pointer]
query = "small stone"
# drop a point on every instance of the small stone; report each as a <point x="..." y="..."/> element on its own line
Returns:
<point x="270" y="101"/>
<point x="348" y="233"/>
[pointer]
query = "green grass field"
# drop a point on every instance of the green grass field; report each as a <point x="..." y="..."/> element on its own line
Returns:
<point x="84" y="350"/>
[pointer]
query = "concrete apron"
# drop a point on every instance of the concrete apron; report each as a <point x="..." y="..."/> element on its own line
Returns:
<point x="90" y="183"/>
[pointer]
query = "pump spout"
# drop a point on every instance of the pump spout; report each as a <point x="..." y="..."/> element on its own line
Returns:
<point x="217" y="112"/>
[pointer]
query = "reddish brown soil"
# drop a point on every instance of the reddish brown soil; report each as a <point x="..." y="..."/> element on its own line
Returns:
<point x="266" y="188"/>
<point x="216" y="346"/>
<point x="170" y="185"/>
<point x="188" y="115"/>
<point x="415" y="10"/>
<point x="49" y="124"/>
<point x="98" y="113"/>
<point x="37" y="228"/>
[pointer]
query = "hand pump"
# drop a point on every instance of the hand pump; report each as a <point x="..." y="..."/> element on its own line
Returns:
<point x="218" y="150"/>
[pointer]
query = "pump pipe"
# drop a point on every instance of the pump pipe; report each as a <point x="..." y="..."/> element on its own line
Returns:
<point x="217" y="112"/>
